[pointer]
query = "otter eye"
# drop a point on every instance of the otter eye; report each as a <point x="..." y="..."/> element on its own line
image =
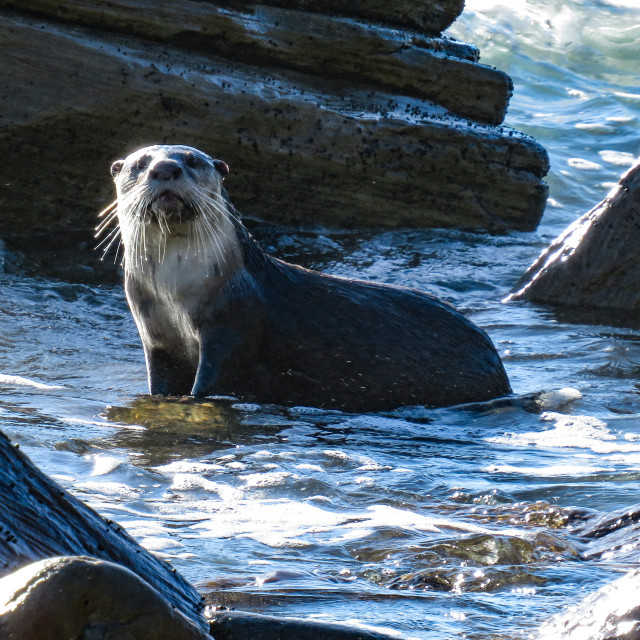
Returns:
<point x="192" y="161"/>
<point x="142" y="163"/>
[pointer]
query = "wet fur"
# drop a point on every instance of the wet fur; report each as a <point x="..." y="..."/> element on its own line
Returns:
<point x="219" y="316"/>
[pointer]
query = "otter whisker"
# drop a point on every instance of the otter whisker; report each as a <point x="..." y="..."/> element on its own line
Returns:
<point x="114" y="232"/>
<point x="108" y="208"/>
<point x="208" y="210"/>
<point x="105" y="224"/>
<point x="114" y="235"/>
<point x="208" y="232"/>
<point x="215" y="238"/>
<point x="144" y="255"/>
<point x="115" y="257"/>
<point x="226" y="210"/>
<point x="199" y="241"/>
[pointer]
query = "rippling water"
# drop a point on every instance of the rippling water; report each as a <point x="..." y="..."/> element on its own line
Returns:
<point x="424" y="524"/>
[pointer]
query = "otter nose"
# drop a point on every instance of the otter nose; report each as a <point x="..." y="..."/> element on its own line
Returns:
<point x="165" y="170"/>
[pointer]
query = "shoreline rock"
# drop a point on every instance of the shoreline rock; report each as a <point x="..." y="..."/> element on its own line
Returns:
<point x="593" y="263"/>
<point x="426" y="15"/>
<point x="436" y="69"/>
<point x="329" y="134"/>
<point x="611" y="613"/>
<point x="102" y="600"/>
<point x="239" y="625"/>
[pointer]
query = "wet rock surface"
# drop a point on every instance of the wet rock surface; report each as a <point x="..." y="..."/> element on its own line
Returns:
<point x="238" y="625"/>
<point x="594" y="262"/>
<point x="612" y="613"/>
<point x="101" y="600"/>
<point x="322" y="118"/>
<point x="426" y="15"/>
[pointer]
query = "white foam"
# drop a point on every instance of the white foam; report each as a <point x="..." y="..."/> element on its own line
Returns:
<point x="583" y="165"/>
<point x="189" y="482"/>
<point x="111" y="489"/>
<point x="263" y="480"/>
<point x="620" y="158"/>
<point x="20" y="381"/>
<point x="552" y="471"/>
<point x="189" y="466"/>
<point x="582" y="432"/>
<point x="103" y="464"/>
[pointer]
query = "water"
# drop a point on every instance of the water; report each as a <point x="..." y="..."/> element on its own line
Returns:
<point x="424" y="524"/>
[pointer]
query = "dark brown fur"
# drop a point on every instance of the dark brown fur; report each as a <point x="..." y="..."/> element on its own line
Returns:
<point x="268" y="331"/>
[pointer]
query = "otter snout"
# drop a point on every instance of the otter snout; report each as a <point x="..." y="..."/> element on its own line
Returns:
<point x="165" y="170"/>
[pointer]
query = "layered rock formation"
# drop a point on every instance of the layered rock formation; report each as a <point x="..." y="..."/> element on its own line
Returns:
<point x="344" y="114"/>
<point x="594" y="262"/>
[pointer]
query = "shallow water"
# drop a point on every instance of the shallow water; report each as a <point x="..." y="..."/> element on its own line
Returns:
<point x="424" y="524"/>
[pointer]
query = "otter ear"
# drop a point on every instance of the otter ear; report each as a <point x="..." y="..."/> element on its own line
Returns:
<point x="222" y="168"/>
<point x="116" y="167"/>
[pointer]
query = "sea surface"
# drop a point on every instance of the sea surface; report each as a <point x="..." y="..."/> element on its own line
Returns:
<point x="423" y="524"/>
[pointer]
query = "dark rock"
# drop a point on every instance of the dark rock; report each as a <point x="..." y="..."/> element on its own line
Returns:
<point x="40" y="520"/>
<point x="613" y="535"/>
<point x="594" y="262"/>
<point x="380" y="58"/>
<point x="314" y="133"/>
<point x="430" y="16"/>
<point x="611" y="522"/>
<point x="237" y="625"/>
<point x="79" y="597"/>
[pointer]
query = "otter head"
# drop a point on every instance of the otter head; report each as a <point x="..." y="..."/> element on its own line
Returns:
<point x="167" y="183"/>
<point x="170" y="197"/>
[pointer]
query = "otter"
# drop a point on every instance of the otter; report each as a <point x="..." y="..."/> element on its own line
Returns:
<point x="217" y="315"/>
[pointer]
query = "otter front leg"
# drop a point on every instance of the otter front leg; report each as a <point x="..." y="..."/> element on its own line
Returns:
<point x="215" y="346"/>
<point x="167" y="375"/>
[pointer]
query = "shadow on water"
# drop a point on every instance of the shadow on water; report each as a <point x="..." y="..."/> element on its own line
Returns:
<point x="68" y="255"/>
<point x="617" y="318"/>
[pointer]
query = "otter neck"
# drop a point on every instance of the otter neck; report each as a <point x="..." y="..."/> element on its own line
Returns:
<point x="182" y="249"/>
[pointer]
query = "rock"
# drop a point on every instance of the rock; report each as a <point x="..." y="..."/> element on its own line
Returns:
<point x="237" y="625"/>
<point x="100" y="601"/>
<point x="612" y="613"/>
<point x="307" y="143"/>
<point x="611" y="522"/>
<point x="312" y="43"/>
<point x="594" y="262"/>
<point x="40" y="520"/>
<point x="429" y="16"/>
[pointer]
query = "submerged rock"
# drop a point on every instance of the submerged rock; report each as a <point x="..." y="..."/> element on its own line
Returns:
<point x="237" y="625"/>
<point x="323" y="119"/>
<point x="79" y="597"/>
<point x="594" y="262"/>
